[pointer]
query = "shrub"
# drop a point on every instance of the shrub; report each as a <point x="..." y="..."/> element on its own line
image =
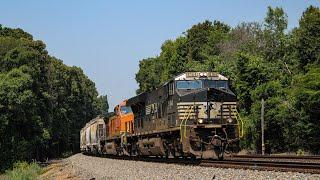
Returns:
<point x="24" y="171"/>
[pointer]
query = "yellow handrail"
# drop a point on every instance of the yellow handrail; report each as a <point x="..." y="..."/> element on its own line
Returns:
<point x="239" y="120"/>
<point x="186" y="117"/>
<point x="185" y="122"/>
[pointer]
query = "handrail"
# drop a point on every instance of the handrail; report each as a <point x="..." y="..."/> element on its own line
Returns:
<point x="184" y="120"/>
<point x="239" y="120"/>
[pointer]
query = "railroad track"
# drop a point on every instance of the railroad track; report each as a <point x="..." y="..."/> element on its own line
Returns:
<point x="304" y="167"/>
<point x="252" y="163"/>
<point x="277" y="157"/>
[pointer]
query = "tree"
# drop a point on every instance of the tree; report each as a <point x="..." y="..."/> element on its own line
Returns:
<point x="149" y="75"/>
<point x="308" y="37"/>
<point x="103" y="105"/>
<point x="276" y="23"/>
<point x="43" y="102"/>
<point x="197" y="38"/>
<point x="251" y="73"/>
<point x="306" y="97"/>
<point x="173" y="56"/>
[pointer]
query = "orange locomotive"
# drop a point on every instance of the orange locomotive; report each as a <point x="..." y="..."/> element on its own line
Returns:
<point x="121" y="122"/>
<point x="120" y="125"/>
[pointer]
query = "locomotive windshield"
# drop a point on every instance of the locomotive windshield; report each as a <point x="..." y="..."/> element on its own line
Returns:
<point x="125" y="109"/>
<point x="195" y="84"/>
<point x="217" y="84"/>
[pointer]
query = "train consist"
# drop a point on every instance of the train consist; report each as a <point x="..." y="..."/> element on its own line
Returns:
<point x="192" y="115"/>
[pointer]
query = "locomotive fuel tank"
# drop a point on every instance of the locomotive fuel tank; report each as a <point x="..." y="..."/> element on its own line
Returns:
<point x="151" y="147"/>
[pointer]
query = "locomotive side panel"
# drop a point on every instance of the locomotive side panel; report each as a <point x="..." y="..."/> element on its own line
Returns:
<point x="155" y="110"/>
<point x="114" y="127"/>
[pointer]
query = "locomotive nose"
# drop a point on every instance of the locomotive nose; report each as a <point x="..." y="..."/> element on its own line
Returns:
<point x="207" y="95"/>
<point x="221" y="94"/>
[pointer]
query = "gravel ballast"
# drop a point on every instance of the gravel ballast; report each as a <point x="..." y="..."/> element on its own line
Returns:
<point x="88" y="167"/>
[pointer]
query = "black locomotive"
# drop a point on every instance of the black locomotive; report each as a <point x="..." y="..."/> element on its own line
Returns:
<point x="192" y="115"/>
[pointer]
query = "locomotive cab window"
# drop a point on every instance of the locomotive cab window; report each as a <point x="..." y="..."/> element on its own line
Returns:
<point x="194" y="84"/>
<point x="125" y="109"/>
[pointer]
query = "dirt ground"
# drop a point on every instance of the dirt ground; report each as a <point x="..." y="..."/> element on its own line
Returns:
<point x="59" y="170"/>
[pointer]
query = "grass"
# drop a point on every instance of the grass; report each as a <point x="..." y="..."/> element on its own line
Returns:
<point x="24" y="171"/>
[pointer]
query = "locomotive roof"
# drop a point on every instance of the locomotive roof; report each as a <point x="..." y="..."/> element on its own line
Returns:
<point x="183" y="76"/>
<point x="200" y="75"/>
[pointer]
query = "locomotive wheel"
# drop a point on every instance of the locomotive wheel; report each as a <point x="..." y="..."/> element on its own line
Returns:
<point x="220" y="156"/>
<point x="219" y="152"/>
<point x="167" y="154"/>
<point x="193" y="158"/>
<point x="173" y="152"/>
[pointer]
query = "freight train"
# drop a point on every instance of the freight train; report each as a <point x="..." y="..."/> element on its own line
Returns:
<point x="192" y="115"/>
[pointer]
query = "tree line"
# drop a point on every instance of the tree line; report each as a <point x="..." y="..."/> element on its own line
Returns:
<point x="264" y="60"/>
<point x="43" y="102"/>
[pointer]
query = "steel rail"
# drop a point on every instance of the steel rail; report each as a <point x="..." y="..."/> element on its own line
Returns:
<point x="265" y="165"/>
<point x="277" y="157"/>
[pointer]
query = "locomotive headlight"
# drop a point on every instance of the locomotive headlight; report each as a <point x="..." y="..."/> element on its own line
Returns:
<point x="201" y="74"/>
<point x="229" y="120"/>
<point x="205" y="74"/>
<point x="200" y="121"/>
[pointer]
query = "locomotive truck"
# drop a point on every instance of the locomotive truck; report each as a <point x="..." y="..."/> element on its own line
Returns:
<point x="192" y="115"/>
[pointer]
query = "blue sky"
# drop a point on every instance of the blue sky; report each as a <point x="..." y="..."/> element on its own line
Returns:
<point x="108" y="38"/>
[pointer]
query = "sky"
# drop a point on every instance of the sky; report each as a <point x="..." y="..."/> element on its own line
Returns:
<point x="107" y="39"/>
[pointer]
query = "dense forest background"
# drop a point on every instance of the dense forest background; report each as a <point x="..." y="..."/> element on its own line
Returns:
<point x="43" y="102"/>
<point x="263" y="60"/>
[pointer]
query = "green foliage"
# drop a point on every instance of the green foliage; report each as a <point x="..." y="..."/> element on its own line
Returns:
<point x="149" y="74"/>
<point x="197" y="38"/>
<point x="24" y="171"/>
<point x="308" y="37"/>
<point x="103" y="105"/>
<point x="276" y="23"/>
<point x="276" y="20"/>
<point x="306" y="98"/>
<point x="15" y="33"/>
<point x="263" y="61"/>
<point x="251" y="72"/>
<point x="43" y="103"/>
